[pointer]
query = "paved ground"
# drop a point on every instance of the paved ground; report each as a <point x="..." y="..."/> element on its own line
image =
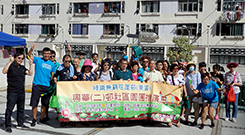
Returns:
<point x="53" y="128"/>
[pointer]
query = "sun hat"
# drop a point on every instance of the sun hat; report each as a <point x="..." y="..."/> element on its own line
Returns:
<point x="190" y="63"/>
<point x="232" y="63"/>
<point x="81" y="52"/>
<point x="85" y="64"/>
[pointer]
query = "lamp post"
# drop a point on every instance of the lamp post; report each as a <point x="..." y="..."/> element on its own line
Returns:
<point x="185" y="27"/>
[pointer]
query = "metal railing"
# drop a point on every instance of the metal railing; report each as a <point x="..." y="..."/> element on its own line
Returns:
<point x="241" y="99"/>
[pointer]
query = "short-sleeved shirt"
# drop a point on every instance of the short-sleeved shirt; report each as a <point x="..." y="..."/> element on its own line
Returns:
<point x="119" y="74"/>
<point x="16" y="78"/>
<point x="219" y="75"/>
<point x="105" y="77"/>
<point x="154" y="76"/>
<point x="91" y="77"/>
<point x="229" y="78"/>
<point x="43" y="71"/>
<point x="192" y="79"/>
<point x="177" y="81"/>
<point x="136" y="77"/>
<point x="209" y="91"/>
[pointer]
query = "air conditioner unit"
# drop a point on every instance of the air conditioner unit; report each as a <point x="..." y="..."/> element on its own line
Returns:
<point x="149" y="26"/>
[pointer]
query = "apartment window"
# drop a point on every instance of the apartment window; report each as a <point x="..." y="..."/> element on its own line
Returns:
<point x="75" y="48"/>
<point x="21" y="28"/>
<point x="115" y="51"/>
<point x="218" y="5"/>
<point x="80" y="7"/>
<point x="111" y="29"/>
<point x="1" y="9"/>
<point x="48" y="9"/>
<point x="155" y="53"/>
<point x="80" y="29"/>
<point x="232" y="5"/>
<point x="58" y="8"/>
<point x="150" y="6"/>
<point x="147" y="28"/>
<point x="112" y="7"/>
<point x="48" y="29"/>
<point x="22" y="9"/>
<point x="189" y="6"/>
<point x="228" y="29"/>
<point x="192" y="28"/>
<point x="226" y="55"/>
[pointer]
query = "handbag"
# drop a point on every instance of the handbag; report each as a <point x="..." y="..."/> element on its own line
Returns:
<point x="230" y="94"/>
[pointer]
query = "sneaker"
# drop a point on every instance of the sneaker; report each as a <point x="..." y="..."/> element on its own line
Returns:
<point x="233" y="120"/>
<point x="43" y="121"/>
<point x="182" y="117"/>
<point x="202" y="126"/>
<point x="226" y="119"/>
<point x="216" y="117"/>
<point x="46" y="119"/>
<point x="8" y="129"/>
<point x="212" y="125"/>
<point x="33" y="123"/>
<point x="22" y="127"/>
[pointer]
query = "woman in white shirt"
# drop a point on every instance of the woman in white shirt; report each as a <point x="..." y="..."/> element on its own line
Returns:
<point x="176" y="79"/>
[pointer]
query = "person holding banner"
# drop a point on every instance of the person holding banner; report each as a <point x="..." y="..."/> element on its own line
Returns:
<point x="16" y="89"/>
<point x="44" y="72"/>
<point x="123" y="73"/>
<point x="192" y="80"/>
<point x="152" y="75"/>
<point x="65" y="72"/>
<point x="232" y="79"/>
<point x="86" y="72"/>
<point x="105" y="74"/>
<point x="176" y="79"/>
<point x="210" y="97"/>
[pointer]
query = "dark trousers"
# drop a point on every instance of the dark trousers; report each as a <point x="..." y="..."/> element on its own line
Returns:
<point x="12" y="99"/>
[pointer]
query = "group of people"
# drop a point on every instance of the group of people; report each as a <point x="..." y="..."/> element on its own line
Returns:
<point x="201" y="88"/>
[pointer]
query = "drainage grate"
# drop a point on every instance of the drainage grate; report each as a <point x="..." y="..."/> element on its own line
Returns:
<point x="233" y="127"/>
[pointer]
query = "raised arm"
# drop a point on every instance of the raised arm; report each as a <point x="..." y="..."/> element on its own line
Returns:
<point x="32" y="48"/>
<point x="30" y="71"/>
<point x="6" y="68"/>
<point x="69" y="48"/>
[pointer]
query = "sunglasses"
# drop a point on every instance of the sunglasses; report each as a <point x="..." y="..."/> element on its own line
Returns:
<point x="52" y="56"/>
<point x="145" y="61"/>
<point x="232" y="66"/>
<point x="176" y="69"/>
<point x="106" y="65"/>
<point x="20" y="58"/>
<point x="67" y="61"/>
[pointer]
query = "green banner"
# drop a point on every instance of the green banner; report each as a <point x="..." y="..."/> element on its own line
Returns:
<point x="118" y="100"/>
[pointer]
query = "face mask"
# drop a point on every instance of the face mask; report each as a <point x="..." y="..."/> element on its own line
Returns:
<point x="191" y="69"/>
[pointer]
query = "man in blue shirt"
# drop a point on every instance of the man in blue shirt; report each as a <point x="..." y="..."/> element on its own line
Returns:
<point x="44" y="72"/>
<point x="123" y="73"/>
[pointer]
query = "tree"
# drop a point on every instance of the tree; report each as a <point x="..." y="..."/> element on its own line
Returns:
<point x="182" y="50"/>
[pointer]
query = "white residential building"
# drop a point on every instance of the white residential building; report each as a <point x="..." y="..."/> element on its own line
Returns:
<point x="215" y="27"/>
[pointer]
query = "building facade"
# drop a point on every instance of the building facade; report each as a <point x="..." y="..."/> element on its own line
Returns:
<point x="214" y="27"/>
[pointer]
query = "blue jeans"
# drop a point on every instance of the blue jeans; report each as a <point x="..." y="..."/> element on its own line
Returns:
<point x="235" y="108"/>
<point x="12" y="99"/>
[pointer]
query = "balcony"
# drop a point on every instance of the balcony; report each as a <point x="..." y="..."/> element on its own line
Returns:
<point x="80" y="15"/>
<point x="232" y="16"/>
<point x="22" y="16"/>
